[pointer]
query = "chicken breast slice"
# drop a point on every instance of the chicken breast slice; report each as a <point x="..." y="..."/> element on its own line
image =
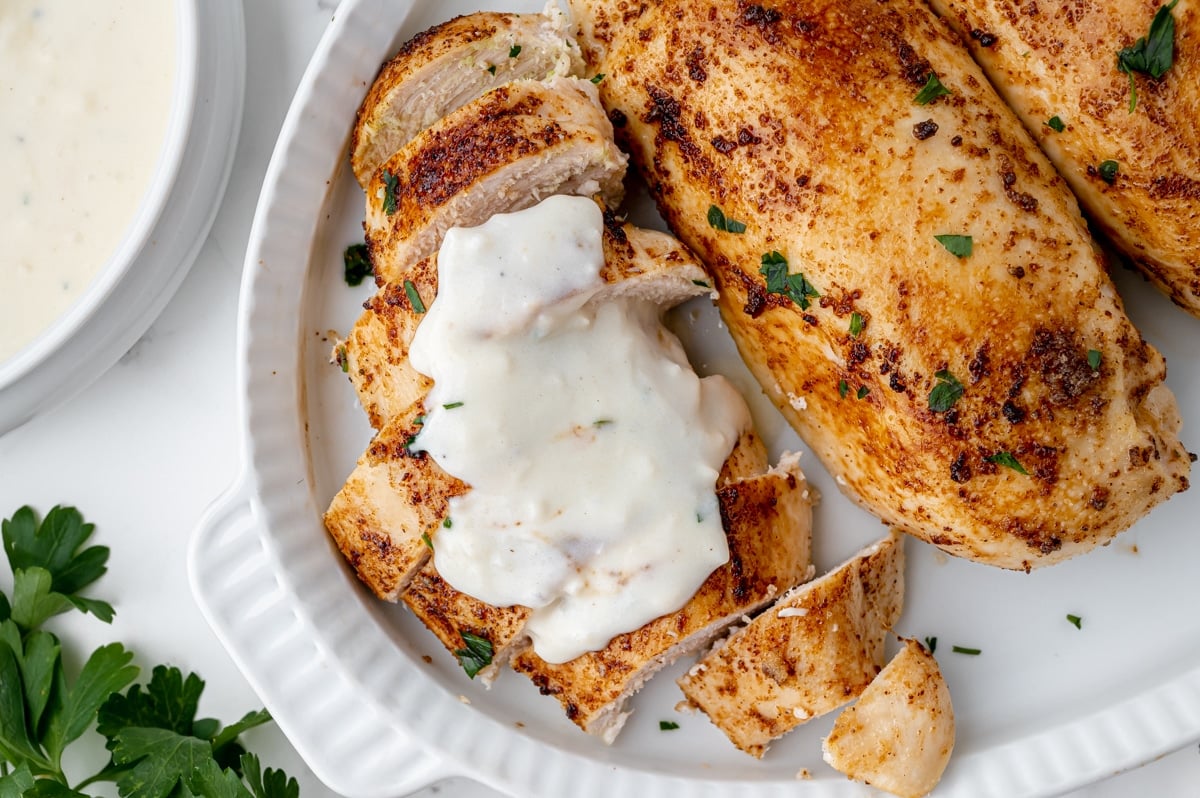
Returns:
<point x="900" y="734"/>
<point x="817" y="648"/>
<point x="1060" y="61"/>
<point x="998" y="404"/>
<point x="503" y="152"/>
<point x="392" y="503"/>
<point x="445" y="67"/>
<point x="645" y="263"/>
<point x="768" y="524"/>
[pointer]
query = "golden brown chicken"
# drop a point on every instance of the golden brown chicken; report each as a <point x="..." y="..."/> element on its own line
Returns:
<point x="1127" y="142"/>
<point x="892" y="249"/>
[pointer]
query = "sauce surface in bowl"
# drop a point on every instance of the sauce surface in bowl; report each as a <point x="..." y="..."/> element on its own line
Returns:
<point x="85" y="96"/>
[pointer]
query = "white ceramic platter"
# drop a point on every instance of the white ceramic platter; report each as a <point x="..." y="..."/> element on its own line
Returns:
<point x="1046" y="707"/>
<point x="166" y="237"/>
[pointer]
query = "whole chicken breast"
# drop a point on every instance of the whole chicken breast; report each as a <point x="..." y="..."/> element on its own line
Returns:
<point x="1060" y="60"/>
<point x="914" y="285"/>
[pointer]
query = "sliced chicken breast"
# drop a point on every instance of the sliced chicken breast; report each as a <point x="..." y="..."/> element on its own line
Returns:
<point x="646" y="263"/>
<point x="441" y="69"/>
<point x="768" y="524"/>
<point x="900" y="734"/>
<point x="911" y="266"/>
<point x="1056" y="65"/>
<point x="817" y="648"/>
<point x="503" y="152"/>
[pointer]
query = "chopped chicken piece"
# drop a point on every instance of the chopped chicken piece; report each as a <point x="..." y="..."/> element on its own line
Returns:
<point x="816" y="649"/>
<point x="899" y="735"/>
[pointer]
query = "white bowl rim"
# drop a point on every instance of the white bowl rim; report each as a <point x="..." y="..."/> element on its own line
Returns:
<point x="140" y="231"/>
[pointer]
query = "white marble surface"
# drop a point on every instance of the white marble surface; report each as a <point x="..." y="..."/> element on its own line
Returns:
<point x="145" y="449"/>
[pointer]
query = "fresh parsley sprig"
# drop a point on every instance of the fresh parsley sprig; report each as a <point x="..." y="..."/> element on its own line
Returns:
<point x="795" y="287"/>
<point x="158" y="746"/>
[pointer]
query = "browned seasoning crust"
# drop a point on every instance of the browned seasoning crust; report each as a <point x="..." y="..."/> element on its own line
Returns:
<point x="816" y="649"/>
<point x="442" y="68"/>
<point x="1060" y="59"/>
<point x="501" y="152"/>
<point x="831" y="175"/>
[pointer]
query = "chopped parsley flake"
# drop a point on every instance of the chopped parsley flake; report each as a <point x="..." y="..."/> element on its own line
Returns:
<point x="1075" y="621"/>
<point x="856" y="324"/>
<point x="476" y="655"/>
<point x="343" y="360"/>
<point x="1007" y="460"/>
<point x="427" y="540"/>
<point x="932" y="89"/>
<point x="452" y="405"/>
<point x="974" y="652"/>
<point x="667" y="725"/>
<point x="391" y="186"/>
<point x="946" y="393"/>
<point x="597" y="78"/>
<point x="931" y="644"/>
<point x="717" y="220"/>
<point x="701" y="283"/>
<point x="862" y="392"/>
<point x="414" y="298"/>
<point x="795" y="287"/>
<point x="491" y="69"/>
<point x="602" y="422"/>
<point x="419" y="420"/>
<point x="1152" y="54"/>
<point x="1108" y="171"/>
<point x="956" y="245"/>
<point x="1056" y="124"/>
<point x="447" y="523"/>
<point x="514" y="51"/>
<point x="1094" y="358"/>
<point x="356" y="264"/>
<point x="843" y="388"/>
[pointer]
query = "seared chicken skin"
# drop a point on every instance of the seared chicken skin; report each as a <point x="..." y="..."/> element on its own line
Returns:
<point x="1060" y="61"/>
<point x="983" y="390"/>
<point x="442" y="69"/>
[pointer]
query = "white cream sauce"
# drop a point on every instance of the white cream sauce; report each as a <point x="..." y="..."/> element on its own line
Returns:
<point x="85" y="93"/>
<point x="591" y="447"/>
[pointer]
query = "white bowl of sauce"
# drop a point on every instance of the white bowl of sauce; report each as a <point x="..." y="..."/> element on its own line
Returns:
<point x="115" y="118"/>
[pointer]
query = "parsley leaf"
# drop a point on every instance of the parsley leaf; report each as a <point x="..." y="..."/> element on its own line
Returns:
<point x="414" y="298"/>
<point x="391" y="187"/>
<point x="56" y="546"/>
<point x="514" y="51"/>
<point x="717" y="220"/>
<point x="1108" y="171"/>
<point x="1007" y="460"/>
<point x="169" y="702"/>
<point x="107" y="670"/>
<point x="843" y="388"/>
<point x="946" y="393"/>
<point x="958" y="246"/>
<point x="1075" y="620"/>
<point x="428" y="541"/>
<point x="974" y="652"/>
<point x="931" y="644"/>
<point x="1094" y="358"/>
<point x="856" y="324"/>
<point x="477" y="654"/>
<point x="1152" y="54"/>
<point x="156" y="760"/>
<point x="862" y="393"/>
<point x="932" y="89"/>
<point x="269" y="783"/>
<point x="356" y="264"/>
<point x="667" y="725"/>
<point x="1056" y="124"/>
<point x="795" y="287"/>
<point x="597" y="78"/>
